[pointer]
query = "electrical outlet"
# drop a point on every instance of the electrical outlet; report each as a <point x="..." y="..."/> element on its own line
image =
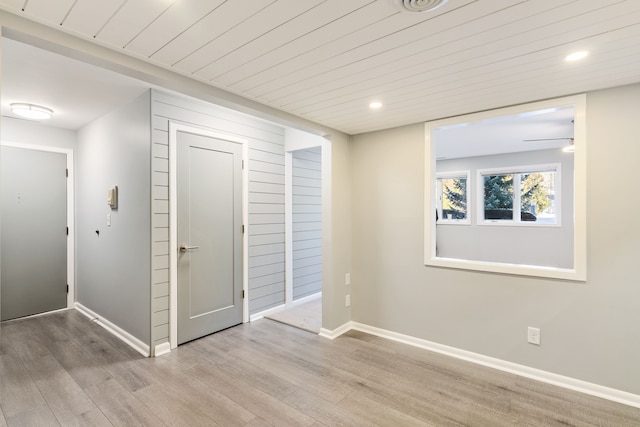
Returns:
<point x="347" y="301"/>
<point x="533" y="335"/>
<point x="347" y="279"/>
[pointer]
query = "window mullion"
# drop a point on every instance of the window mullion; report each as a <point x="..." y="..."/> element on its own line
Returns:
<point x="517" y="202"/>
<point x="439" y="196"/>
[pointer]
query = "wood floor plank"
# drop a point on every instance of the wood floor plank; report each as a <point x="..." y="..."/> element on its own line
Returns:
<point x="171" y="408"/>
<point x="270" y="409"/>
<point x="19" y="394"/>
<point x="63" y="395"/>
<point x="376" y="414"/>
<point x="440" y="397"/>
<point x="305" y="374"/>
<point x="328" y="413"/>
<point x="259" y="422"/>
<point x="3" y="420"/>
<point x="259" y="377"/>
<point x="397" y="390"/>
<point x="211" y="402"/>
<point x="120" y="406"/>
<point x="79" y="363"/>
<point x="63" y="369"/>
<point x="317" y="380"/>
<point x="92" y="418"/>
<point x="40" y="416"/>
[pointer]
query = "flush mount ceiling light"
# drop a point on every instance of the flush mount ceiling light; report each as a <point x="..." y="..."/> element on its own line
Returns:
<point x="375" y="105"/>
<point x="31" y="111"/>
<point x="576" y="56"/>
<point x="419" y="5"/>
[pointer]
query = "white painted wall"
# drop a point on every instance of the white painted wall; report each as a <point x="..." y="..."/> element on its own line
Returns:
<point x="589" y="330"/>
<point x="36" y="133"/>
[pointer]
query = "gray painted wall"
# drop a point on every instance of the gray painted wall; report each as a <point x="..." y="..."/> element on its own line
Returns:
<point x="589" y="330"/>
<point x="550" y="246"/>
<point x="307" y="222"/>
<point x="266" y="199"/>
<point x="113" y="268"/>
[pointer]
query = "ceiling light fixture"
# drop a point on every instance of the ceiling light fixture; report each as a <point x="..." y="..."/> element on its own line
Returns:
<point x="375" y="105"/>
<point x="576" y="56"/>
<point x="419" y="5"/>
<point x="31" y="111"/>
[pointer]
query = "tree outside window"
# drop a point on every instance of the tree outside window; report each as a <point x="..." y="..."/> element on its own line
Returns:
<point x="453" y="197"/>
<point x="536" y="191"/>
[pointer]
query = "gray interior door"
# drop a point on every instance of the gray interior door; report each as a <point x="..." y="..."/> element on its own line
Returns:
<point x="209" y="187"/>
<point x="33" y="188"/>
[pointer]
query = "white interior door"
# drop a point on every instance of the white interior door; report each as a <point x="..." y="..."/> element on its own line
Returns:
<point x="34" y="231"/>
<point x="209" y="235"/>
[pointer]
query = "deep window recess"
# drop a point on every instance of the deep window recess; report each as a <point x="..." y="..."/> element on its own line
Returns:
<point x="453" y="198"/>
<point x="520" y="195"/>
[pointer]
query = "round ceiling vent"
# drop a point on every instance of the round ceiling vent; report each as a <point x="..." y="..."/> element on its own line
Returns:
<point x="419" y="5"/>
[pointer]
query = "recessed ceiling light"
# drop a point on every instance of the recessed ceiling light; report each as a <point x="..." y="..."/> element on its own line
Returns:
<point x="375" y="105"/>
<point x="31" y="111"/>
<point x="576" y="56"/>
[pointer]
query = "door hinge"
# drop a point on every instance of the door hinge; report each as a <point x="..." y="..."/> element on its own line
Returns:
<point x="243" y="164"/>
<point x="67" y="231"/>
<point x="67" y="173"/>
<point x="242" y="228"/>
<point x="243" y="294"/>
<point x="67" y="288"/>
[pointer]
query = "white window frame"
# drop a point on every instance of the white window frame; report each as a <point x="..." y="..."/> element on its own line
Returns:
<point x="451" y="175"/>
<point x="578" y="271"/>
<point x="516" y="171"/>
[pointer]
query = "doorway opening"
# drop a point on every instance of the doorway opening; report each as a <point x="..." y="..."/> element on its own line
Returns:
<point x="303" y="229"/>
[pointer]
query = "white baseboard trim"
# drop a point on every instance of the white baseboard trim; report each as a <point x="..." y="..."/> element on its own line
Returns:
<point x="161" y="349"/>
<point x="267" y="312"/>
<point x="306" y="299"/>
<point x="125" y="336"/>
<point x="502" y="365"/>
<point x="333" y="334"/>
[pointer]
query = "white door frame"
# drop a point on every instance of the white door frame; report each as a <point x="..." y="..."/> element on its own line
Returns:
<point x="70" y="211"/>
<point x="174" y="128"/>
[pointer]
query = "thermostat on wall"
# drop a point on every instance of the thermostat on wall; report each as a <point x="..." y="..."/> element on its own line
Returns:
<point x="112" y="197"/>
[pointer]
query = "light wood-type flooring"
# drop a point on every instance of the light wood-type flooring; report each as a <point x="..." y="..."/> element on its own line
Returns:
<point x="62" y="369"/>
<point x="307" y="316"/>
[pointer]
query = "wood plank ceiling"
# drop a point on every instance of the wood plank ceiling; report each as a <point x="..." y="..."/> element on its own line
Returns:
<point x="325" y="60"/>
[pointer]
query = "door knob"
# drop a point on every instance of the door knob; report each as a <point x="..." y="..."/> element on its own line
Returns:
<point x="185" y="248"/>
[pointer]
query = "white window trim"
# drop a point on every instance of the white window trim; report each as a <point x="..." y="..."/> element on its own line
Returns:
<point x="579" y="270"/>
<point x="517" y="171"/>
<point x="447" y="175"/>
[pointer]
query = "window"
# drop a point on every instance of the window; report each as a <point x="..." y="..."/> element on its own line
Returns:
<point x="453" y="198"/>
<point x="520" y="196"/>
<point x="475" y="135"/>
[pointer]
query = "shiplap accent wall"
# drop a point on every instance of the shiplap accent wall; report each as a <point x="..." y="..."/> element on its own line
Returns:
<point x="266" y="200"/>
<point x="307" y="222"/>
